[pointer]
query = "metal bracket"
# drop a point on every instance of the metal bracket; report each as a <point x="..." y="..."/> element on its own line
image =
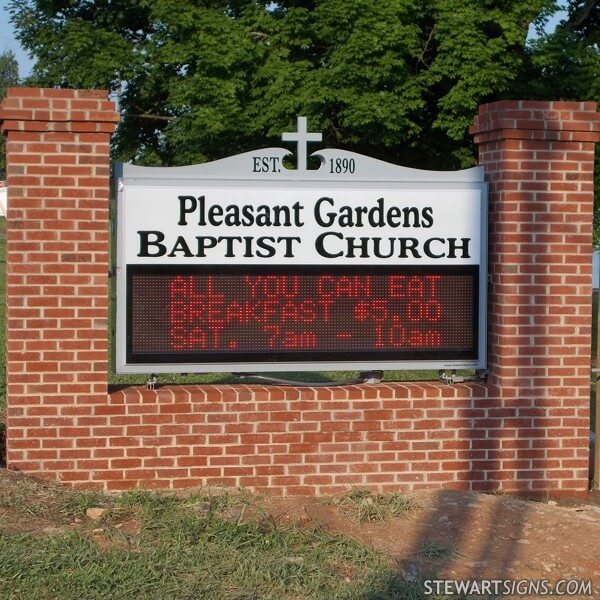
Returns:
<point x="371" y="376"/>
<point x="450" y="377"/>
<point x="482" y="374"/>
<point x="151" y="382"/>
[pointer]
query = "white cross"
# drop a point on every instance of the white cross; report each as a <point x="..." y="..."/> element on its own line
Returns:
<point x="302" y="136"/>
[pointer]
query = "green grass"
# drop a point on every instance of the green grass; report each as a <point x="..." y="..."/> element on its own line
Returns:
<point x="364" y="506"/>
<point x="435" y="550"/>
<point x="182" y="549"/>
<point x="319" y="377"/>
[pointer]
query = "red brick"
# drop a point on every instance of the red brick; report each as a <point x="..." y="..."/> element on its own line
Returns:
<point x="303" y="440"/>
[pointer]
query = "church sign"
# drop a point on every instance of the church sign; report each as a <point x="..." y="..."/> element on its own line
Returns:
<point x="243" y="264"/>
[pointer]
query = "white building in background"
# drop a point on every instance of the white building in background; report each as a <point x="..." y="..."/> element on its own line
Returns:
<point x="3" y="198"/>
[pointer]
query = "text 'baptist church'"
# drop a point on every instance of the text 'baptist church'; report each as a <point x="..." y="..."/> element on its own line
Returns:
<point x="326" y="213"/>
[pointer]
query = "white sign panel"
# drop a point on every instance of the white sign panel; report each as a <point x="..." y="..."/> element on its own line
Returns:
<point x="246" y="265"/>
<point x="331" y="225"/>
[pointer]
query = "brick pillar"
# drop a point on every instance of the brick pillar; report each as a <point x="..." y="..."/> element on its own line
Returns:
<point x="539" y="163"/>
<point x="57" y="272"/>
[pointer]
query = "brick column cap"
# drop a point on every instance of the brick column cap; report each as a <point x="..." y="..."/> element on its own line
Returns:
<point x="537" y="120"/>
<point x="56" y="109"/>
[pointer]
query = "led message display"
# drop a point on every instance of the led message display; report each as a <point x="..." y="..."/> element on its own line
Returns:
<point x="214" y="314"/>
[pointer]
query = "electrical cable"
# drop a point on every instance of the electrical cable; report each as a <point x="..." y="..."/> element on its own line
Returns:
<point x="278" y="381"/>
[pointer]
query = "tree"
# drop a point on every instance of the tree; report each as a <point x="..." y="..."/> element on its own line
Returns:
<point x="566" y="65"/>
<point x="397" y="79"/>
<point x="9" y="75"/>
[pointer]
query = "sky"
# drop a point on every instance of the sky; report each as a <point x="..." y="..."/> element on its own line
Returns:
<point x="8" y="41"/>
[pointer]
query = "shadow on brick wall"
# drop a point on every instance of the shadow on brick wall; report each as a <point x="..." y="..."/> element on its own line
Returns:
<point x="496" y="436"/>
<point x="507" y="444"/>
<point x="472" y="530"/>
<point x="2" y="446"/>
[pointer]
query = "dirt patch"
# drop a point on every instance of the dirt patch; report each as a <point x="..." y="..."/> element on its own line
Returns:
<point x="446" y="534"/>
<point x="460" y="535"/>
<point x="13" y="521"/>
<point x="29" y="505"/>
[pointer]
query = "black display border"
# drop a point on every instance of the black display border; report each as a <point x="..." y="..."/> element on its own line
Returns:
<point x="311" y="356"/>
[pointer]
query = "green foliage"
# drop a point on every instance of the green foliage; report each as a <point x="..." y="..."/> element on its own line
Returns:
<point x="182" y="549"/>
<point x="9" y="75"/>
<point x="365" y="506"/>
<point x="399" y="80"/>
<point x="9" y="71"/>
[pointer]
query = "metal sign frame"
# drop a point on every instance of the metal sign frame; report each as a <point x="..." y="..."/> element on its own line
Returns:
<point x="252" y="172"/>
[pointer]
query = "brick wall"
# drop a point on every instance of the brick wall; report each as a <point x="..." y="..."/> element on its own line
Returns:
<point x="539" y="162"/>
<point x="525" y="431"/>
<point x="318" y="441"/>
<point x="57" y="266"/>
